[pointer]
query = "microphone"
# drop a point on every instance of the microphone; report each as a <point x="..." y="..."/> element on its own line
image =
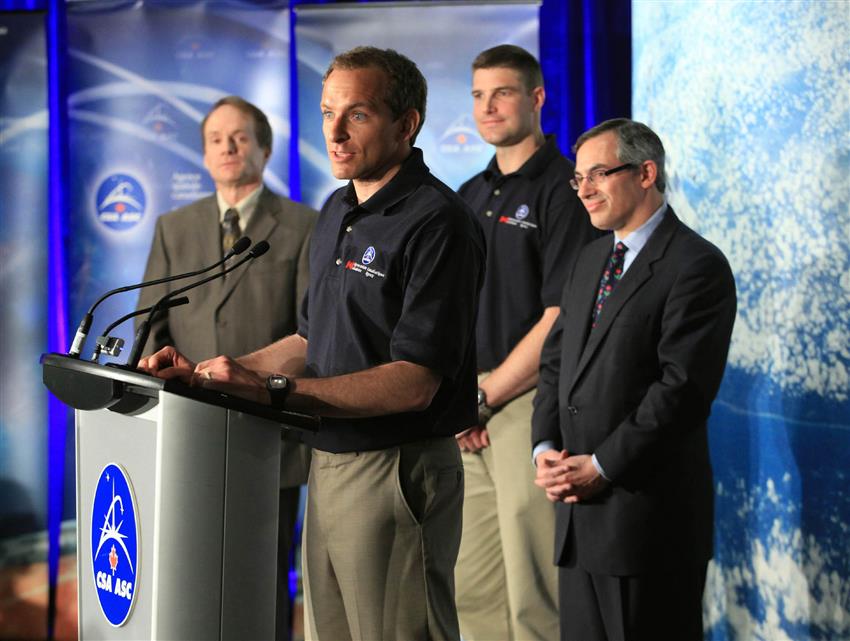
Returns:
<point x="85" y="325"/>
<point x="112" y="346"/>
<point x="144" y="329"/>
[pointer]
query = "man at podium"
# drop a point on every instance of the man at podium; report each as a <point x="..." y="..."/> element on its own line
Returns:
<point x="385" y="351"/>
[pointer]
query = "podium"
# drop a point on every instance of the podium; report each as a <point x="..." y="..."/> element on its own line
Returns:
<point x="177" y="505"/>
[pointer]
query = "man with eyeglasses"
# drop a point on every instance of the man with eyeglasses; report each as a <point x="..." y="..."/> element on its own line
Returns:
<point x="534" y="228"/>
<point x="627" y="378"/>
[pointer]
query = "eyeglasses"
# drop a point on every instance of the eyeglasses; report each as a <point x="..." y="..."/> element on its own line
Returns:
<point x="597" y="176"/>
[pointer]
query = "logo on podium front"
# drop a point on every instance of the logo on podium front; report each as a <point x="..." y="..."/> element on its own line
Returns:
<point x="115" y="544"/>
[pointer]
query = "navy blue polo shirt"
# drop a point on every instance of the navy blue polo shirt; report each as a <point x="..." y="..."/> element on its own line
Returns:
<point x="534" y="225"/>
<point x="395" y="278"/>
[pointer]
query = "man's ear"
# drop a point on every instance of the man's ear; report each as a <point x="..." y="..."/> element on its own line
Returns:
<point x="409" y="124"/>
<point x="538" y="94"/>
<point x="648" y="173"/>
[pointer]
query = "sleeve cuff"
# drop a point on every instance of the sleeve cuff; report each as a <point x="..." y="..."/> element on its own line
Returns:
<point x="598" y="467"/>
<point x="542" y="446"/>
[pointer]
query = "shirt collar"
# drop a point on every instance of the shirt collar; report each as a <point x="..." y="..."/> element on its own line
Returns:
<point x="409" y="177"/>
<point x="245" y="207"/>
<point x="534" y="166"/>
<point x="639" y="237"/>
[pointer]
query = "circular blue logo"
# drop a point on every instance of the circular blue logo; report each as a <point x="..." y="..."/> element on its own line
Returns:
<point x="368" y="255"/>
<point x="120" y="202"/>
<point x="114" y="544"/>
<point x="521" y="212"/>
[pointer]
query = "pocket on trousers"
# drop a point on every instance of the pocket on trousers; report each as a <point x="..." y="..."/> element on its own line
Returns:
<point x="423" y="490"/>
<point x="410" y="483"/>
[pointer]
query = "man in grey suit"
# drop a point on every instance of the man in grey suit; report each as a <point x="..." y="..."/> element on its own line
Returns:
<point x="247" y="309"/>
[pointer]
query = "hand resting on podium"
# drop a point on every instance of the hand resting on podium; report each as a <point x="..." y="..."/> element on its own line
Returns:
<point x="221" y="373"/>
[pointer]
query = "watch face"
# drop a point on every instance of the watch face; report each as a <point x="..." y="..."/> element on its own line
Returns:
<point x="482" y="397"/>
<point x="277" y="382"/>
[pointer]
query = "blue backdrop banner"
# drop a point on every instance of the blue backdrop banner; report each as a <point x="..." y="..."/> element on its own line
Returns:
<point x="442" y="39"/>
<point x="142" y="77"/>
<point x="751" y="101"/>
<point x="23" y="272"/>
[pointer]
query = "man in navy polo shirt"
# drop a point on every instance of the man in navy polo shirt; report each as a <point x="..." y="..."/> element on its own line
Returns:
<point x="385" y="351"/>
<point x="534" y="226"/>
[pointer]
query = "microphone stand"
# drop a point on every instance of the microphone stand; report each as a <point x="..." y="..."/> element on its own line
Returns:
<point x="144" y="329"/>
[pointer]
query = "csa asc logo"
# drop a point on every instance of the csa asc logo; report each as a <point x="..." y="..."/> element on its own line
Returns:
<point x="521" y="212"/>
<point x="160" y="122"/>
<point x="120" y="202"/>
<point x="194" y="47"/>
<point x="461" y="137"/>
<point x="368" y="255"/>
<point x="114" y="544"/>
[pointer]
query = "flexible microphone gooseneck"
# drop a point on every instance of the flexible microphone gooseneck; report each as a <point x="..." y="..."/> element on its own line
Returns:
<point x="144" y="329"/>
<point x="85" y="324"/>
<point x="112" y="346"/>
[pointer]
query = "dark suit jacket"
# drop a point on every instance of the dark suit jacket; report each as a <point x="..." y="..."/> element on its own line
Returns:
<point x="252" y="307"/>
<point x="637" y="392"/>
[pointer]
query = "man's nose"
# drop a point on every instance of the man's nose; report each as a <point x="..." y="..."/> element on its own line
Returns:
<point x="338" y="130"/>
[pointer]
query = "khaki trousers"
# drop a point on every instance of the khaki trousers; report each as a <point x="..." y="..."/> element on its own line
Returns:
<point x="506" y="582"/>
<point x="381" y="537"/>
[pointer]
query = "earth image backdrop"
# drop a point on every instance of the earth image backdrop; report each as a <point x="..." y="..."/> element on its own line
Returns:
<point x="752" y="100"/>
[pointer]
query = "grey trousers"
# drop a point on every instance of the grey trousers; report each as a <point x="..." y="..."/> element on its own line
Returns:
<point x="381" y="537"/>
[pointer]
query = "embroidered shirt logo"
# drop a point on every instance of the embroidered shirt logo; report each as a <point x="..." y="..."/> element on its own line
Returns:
<point x="363" y="266"/>
<point x="519" y="218"/>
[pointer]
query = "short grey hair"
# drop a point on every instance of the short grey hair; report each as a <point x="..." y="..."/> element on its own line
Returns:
<point x="636" y="143"/>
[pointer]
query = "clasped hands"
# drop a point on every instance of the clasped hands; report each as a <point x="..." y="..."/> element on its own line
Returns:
<point x="568" y="479"/>
<point x="221" y="373"/>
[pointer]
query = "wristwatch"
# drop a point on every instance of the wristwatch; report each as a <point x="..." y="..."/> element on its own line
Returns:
<point x="485" y="412"/>
<point x="279" y="387"/>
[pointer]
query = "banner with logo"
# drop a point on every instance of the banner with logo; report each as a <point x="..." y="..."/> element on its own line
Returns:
<point x="142" y="77"/>
<point x="442" y="40"/>
<point x="752" y="106"/>
<point x="23" y="274"/>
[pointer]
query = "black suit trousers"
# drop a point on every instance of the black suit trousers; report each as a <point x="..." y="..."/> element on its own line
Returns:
<point x="646" y="607"/>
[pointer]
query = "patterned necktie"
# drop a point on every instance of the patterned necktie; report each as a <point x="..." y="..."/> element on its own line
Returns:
<point x="610" y="277"/>
<point x="230" y="229"/>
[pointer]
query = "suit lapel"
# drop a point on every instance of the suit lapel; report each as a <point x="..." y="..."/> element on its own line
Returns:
<point x="260" y="227"/>
<point x="579" y="307"/>
<point x="639" y="272"/>
<point x="209" y="240"/>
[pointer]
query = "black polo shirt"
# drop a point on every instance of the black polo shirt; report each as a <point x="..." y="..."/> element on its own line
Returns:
<point x="534" y="225"/>
<point x="395" y="278"/>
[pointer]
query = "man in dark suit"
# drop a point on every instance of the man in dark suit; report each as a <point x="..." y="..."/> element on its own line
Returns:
<point x="627" y="378"/>
<point x="248" y="308"/>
